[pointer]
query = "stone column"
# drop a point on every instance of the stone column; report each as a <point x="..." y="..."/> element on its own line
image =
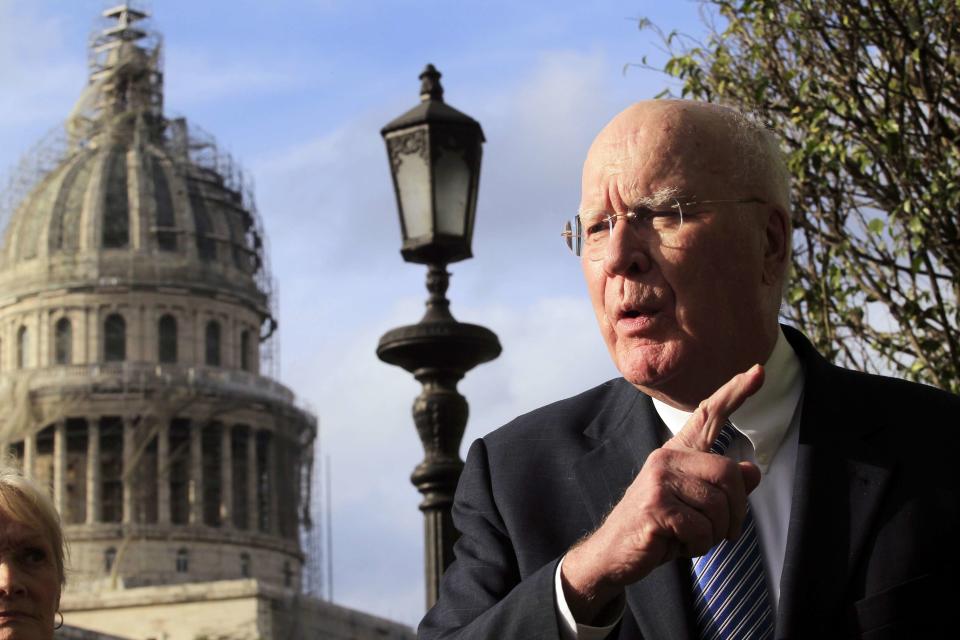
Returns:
<point x="29" y="454"/>
<point x="41" y="341"/>
<point x="163" y="473"/>
<point x="129" y="469"/>
<point x="226" y="477"/>
<point x="253" y="504"/>
<point x="144" y="347"/>
<point x="273" y="500"/>
<point x="93" y="470"/>
<point x="94" y="350"/>
<point x="60" y="467"/>
<point x="44" y="355"/>
<point x="150" y="350"/>
<point x="198" y="340"/>
<point x="196" y="473"/>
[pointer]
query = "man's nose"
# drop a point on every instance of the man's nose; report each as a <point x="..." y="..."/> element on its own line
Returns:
<point x="11" y="583"/>
<point x="627" y="251"/>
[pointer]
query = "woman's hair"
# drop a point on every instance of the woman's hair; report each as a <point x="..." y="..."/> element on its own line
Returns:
<point x="23" y="501"/>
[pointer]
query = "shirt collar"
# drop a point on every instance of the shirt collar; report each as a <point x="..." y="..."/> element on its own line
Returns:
<point x="765" y="416"/>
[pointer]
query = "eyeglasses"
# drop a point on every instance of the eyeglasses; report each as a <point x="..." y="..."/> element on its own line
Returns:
<point x="588" y="233"/>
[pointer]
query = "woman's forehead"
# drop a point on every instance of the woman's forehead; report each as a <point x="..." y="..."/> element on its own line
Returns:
<point x="14" y="533"/>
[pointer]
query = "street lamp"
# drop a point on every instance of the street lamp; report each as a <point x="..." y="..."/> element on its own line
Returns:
<point x="434" y="153"/>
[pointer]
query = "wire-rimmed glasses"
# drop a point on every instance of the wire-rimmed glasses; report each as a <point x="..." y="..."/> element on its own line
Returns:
<point x="588" y="233"/>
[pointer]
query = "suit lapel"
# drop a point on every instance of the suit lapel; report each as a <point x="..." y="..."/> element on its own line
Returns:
<point x="839" y="484"/>
<point x="628" y="429"/>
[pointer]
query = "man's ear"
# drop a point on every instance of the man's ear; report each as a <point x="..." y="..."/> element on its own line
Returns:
<point x="777" y="240"/>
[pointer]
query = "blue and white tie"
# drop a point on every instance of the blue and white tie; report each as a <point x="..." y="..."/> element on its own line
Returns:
<point x="730" y="599"/>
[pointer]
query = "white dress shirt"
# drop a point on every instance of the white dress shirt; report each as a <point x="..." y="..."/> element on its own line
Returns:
<point x="768" y="425"/>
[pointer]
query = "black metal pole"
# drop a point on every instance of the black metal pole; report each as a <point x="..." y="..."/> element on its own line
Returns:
<point x="438" y="351"/>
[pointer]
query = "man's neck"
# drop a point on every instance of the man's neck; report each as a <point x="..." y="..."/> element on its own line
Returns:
<point x="680" y="394"/>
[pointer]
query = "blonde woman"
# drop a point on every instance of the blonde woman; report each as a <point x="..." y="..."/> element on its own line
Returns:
<point x="31" y="560"/>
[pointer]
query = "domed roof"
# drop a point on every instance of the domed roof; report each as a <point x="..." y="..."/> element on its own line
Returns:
<point x="136" y="198"/>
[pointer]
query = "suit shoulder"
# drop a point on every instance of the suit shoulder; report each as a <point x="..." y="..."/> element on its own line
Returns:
<point x="570" y="415"/>
<point x="896" y="394"/>
<point x="905" y="416"/>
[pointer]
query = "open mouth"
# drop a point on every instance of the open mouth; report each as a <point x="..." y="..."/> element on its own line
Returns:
<point x="632" y="313"/>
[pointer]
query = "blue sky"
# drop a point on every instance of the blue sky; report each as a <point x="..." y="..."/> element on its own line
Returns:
<point x="297" y="91"/>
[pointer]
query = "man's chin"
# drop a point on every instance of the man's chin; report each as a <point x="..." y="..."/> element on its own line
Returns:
<point x="645" y="377"/>
<point x="658" y="377"/>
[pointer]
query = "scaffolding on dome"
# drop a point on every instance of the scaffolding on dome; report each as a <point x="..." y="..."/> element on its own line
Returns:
<point x="37" y="163"/>
<point x="126" y="79"/>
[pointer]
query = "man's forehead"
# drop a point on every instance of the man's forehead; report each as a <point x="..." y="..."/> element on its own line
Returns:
<point x="674" y="127"/>
<point x="657" y="146"/>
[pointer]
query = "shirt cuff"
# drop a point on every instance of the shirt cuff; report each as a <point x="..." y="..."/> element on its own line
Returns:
<point x="570" y="629"/>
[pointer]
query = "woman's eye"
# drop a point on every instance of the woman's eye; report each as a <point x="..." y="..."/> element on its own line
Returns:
<point x="34" y="555"/>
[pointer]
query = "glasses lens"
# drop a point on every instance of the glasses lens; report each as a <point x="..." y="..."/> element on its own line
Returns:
<point x="670" y="221"/>
<point x="590" y="236"/>
<point x="573" y="235"/>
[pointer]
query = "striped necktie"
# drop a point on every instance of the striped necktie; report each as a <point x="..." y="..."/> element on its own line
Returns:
<point x="730" y="599"/>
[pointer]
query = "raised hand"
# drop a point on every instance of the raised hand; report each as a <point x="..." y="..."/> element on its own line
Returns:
<point x="683" y="502"/>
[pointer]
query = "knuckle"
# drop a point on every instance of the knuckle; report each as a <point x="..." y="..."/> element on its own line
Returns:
<point x="732" y="477"/>
<point x="658" y="457"/>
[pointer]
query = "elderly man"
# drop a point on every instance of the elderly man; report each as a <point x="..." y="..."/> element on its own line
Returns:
<point x="732" y="484"/>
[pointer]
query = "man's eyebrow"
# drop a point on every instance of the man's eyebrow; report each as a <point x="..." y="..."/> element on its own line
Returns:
<point x="658" y="198"/>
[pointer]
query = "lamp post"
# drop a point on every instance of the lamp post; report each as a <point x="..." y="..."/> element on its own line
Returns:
<point x="434" y="153"/>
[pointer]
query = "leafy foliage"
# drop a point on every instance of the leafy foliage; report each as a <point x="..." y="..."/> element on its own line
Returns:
<point x="866" y="96"/>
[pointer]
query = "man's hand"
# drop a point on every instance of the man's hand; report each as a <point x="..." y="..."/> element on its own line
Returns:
<point x="683" y="502"/>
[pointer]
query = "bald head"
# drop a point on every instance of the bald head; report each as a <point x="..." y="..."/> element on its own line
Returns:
<point x="706" y="138"/>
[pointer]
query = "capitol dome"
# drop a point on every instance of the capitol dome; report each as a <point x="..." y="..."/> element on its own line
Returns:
<point x="136" y="328"/>
<point x="136" y="199"/>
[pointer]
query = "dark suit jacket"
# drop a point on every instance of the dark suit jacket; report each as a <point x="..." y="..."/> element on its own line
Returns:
<point x="873" y="538"/>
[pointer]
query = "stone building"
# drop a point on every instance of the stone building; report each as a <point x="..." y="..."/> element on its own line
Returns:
<point x="135" y="307"/>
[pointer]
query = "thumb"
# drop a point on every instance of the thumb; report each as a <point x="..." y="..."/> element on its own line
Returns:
<point x="751" y="475"/>
<point x="704" y="425"/>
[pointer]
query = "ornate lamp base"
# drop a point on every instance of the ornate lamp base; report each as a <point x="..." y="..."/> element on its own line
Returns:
<point x="438" y="351"/>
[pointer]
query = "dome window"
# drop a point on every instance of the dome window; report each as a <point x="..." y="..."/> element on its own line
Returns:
<point x="109" y="557"/>
<point x="116" y="213"/>
<point x="213" y="344"/>
<point x="167" y="339"/>
<point x="23" y="348"/>
<point x="166" y="235"/>
<point x="206" y="245"/>
<point x="183" y="561"/>
<point x="63" y="342"/>
<point x="245" y="359"/>
<point x="114" y="338"/>
<point x="245" y="565"/>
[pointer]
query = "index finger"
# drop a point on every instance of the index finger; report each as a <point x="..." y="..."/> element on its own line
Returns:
<point x="704" y="425"/>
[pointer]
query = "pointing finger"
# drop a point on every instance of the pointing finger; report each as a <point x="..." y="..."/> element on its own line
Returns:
<point x="704" y="425"/>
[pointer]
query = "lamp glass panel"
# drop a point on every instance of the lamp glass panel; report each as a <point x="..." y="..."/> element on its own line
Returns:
<point x="452" y="174"/>
<point x="413" y="182"/>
